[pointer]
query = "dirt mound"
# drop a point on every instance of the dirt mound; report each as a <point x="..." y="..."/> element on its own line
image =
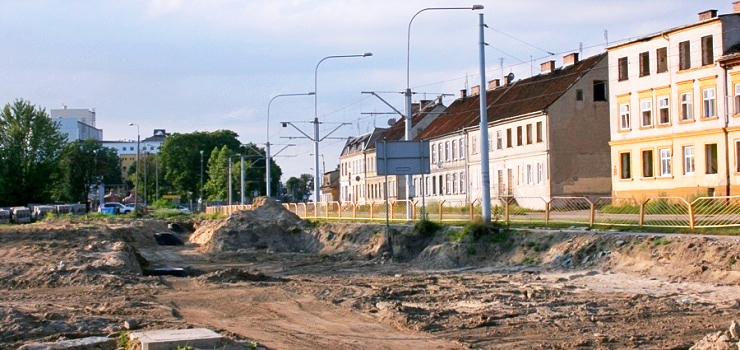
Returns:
<point x="267" y="226"/>
<point x="234" y="275"/>
<point x="715" y="341"/>
<point x="360" y="240"/>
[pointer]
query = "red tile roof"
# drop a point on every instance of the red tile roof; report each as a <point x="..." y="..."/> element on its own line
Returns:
<point x="522" y="97"/>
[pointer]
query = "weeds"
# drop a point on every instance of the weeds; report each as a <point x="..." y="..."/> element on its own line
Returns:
<point x="426" y="228"/>
<point x="531" y="261"/>
<point x="660" y="241"/>
<point x="123" y="341"/>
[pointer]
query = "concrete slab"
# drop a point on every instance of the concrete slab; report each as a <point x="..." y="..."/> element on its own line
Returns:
<point x="171" y="338"/>
<point x="101" y="343"/>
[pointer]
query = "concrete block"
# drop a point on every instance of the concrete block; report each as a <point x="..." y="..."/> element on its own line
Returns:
<point x="168" y="339"/>
<point x="101" y="343"/>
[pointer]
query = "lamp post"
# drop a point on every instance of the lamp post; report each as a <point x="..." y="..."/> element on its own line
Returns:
<point x="200" y="199"/>
<point x="138" y="140"/>
<point x="268" y="160"/>
<point x="316" y="194"/>
<point x="407" y="134"/>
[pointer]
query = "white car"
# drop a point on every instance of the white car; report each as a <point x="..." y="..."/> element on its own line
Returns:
<point x="118" y="208"/>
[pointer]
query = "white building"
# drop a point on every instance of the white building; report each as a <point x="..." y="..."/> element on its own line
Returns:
<point x="76" y="124"/>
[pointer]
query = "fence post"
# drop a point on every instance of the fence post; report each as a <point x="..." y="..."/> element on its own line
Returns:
<point x="691" y="216"/>
<point x="471" y="210"/>
<point x="547" y="212"/>
<point x="390" y="215"/>
<point x="413" y="210"/>
<point x="592" y="215"/>
<point x="440" y="210"/>
<point x="506" y="212"/>
<point x="354" y="210"/>
<point x="642" y="213"/>
<point x="372" y="204"/>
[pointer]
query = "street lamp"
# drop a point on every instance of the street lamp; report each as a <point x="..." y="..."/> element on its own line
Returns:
<point x="268" y="159"/>
<point x="138" y="140"/>
<point x="407" y="135"/>
<point x="316" y="121"/>
<point x="200" y="200"/>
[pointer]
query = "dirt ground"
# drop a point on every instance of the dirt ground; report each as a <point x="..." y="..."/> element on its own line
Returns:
<point x="267" y="276"/>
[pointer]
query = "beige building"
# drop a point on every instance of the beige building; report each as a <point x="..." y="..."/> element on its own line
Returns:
<point x="548" y="136"/>
<point x="675" y="98"/>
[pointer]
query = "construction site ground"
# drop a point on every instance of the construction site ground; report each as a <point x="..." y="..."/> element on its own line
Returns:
<point x="269" y="277"/>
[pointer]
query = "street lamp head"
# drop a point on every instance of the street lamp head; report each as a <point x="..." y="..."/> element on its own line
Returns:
<point x="477" y="7"/>
<point x="367" y="54"/>
<point x="311" y="93"/>
<point x="131" y="124"/>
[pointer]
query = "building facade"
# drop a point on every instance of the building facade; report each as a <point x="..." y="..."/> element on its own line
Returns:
<point x="675" y="98"/>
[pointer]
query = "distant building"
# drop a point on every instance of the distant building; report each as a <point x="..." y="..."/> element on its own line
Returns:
<point x="330" y="186"/>
<point x="76" y="124"/>
<point x="127" y="148"/>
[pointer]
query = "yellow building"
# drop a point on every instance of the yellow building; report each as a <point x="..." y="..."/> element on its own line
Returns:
<point x="675" y="126"/>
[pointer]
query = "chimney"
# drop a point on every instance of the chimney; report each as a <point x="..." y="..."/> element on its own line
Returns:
<point x="547" y="67"/>
<point x="475" y="90"/>
<point x="464" y="93"/>
<point x="736" y="6"/>
<point x="571" y="59"/>
<point x="492" y="84"/>
<point x="708" y="14"/>
<point x="508" y="81"/>
<point x="424" y="103"/>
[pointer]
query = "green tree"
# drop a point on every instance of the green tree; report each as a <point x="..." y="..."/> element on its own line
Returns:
<point x="30" y="148"/>
<point x="299" y="188"/>
<point x="180" y="158"/>
<point x="217" y="186"/>
<point x="84" y="164"/>
<point x="255" y="173"/>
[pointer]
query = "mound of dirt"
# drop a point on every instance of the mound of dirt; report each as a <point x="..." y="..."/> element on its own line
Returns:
<point x="267" y="226"/>
<point x="715" y="341"/>
<point x="234" y="275"/>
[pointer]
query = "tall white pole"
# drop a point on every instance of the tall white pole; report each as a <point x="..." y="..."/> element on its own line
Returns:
<point x="241" y="157"/>
<point x="316" y="140"/>
<point x="407" y="94"/>
<point x="484" y="170"/>
<point x="229" y="196"/>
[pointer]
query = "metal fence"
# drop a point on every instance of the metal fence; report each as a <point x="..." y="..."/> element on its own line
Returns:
<point x="674" y="212"/>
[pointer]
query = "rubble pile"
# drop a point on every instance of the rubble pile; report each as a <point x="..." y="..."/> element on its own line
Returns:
<point x="267" y="226"/>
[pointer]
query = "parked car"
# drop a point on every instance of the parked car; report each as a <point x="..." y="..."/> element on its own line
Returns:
<point x="183" y="209"/>
<point x="118" y="208"/>
<point x="132" y="207"/>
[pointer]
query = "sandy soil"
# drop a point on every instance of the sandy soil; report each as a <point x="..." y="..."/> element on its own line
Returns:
<point x="332" y="285"/>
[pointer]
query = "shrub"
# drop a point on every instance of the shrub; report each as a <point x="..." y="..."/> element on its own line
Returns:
<point x="426" y="228"/>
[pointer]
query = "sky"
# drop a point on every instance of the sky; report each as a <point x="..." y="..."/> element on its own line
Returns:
<point x="206" y="65"/>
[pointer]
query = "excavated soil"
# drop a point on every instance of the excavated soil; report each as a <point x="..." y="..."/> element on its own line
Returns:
<point x="266" y="275"/>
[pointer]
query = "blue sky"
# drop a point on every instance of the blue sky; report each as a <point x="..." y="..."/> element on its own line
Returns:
<point x="204" y="65"/>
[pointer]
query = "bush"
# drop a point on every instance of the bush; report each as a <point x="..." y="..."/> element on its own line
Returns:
<point x="426" y="228"/>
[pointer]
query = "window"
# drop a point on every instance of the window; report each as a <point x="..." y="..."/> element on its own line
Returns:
<point x="688" y="160"/>
<point x="461" y="149"/>
<point x="687" y="106"/>
<point x="665" y="162"/>
<point x="579" y="94"/>
<point x="661" y="57"/>
<point x="529" y="174"/>
<point x="646" y="107"/>
<point x="539" y="173"/>
<point x="624" y="116"/>
<point x="474" y="141"/>
<point x="624" y="163"/>
<point x="599" y="90"/>
<point x="454" y="150"/>
<point x="707" y="50"/>
<point x="622" y="67"/>
<point x="454" y="183"/>
<point x="664" y="116"/>
<point x="708" y="98"/>
<point x="737" y="98"/>
<point x="448" y="185"/>
<point x="500" y="139"/>
<point x="434" y="154"/>
<point x="647" y="163"/>
<point x="462" y="182"/>
<point x="710" y="154"/>
<point x="529" y="134"/>
<point x="434" y="186"/>
<point x="508" y="138"/>
<point x="519" y="135"/>
<point x="737" y="156"/>
<point x="644" y="63"/>
<point x="684" y="55"/>
<point x="490" y="144"/>
<point x="539" y="131"/>
<point x="447" y="151"/>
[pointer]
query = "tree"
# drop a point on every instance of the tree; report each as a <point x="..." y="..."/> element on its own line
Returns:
<point x="217" y="186"/>
<point x="255" y="172"/>
<point x="180" y="158"/>
<point x="30" y="148"/>
<point x="84" y="164"/>
<point x="300" y="187"/>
